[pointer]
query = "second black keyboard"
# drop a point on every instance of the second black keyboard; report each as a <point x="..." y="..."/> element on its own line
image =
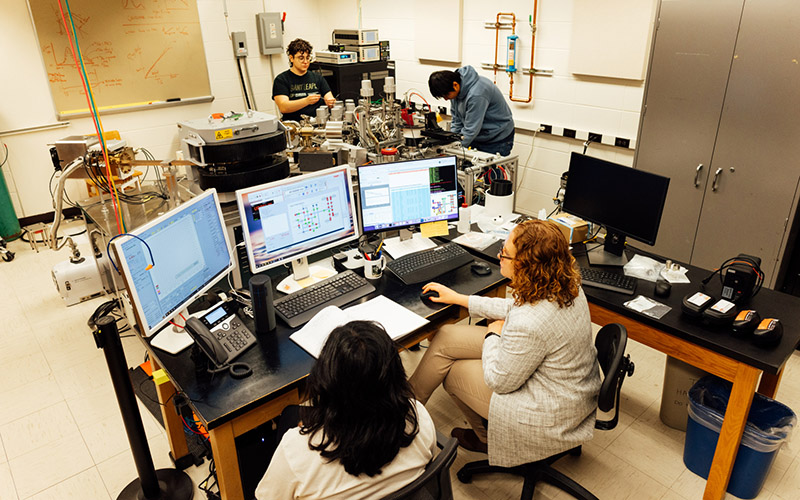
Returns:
<point x="616" y="282"/>
<point x="426" y="265"/>
<point x="299" y="307"/>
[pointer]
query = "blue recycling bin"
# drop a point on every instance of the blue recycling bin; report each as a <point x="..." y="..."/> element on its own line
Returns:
<point x="769" y="423"/>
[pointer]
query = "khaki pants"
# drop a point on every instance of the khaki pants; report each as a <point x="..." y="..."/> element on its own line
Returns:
<point x="454" y="360"/>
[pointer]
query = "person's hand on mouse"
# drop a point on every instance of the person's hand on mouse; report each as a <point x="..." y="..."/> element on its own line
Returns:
<point x="446" y="295"/>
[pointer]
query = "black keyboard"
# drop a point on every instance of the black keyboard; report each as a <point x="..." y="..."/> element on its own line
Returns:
<point x="299" y="307"/>
<point x="426" y="265"/>
<point x="616" y="282"/>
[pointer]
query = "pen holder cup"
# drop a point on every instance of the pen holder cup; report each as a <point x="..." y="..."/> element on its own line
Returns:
<point x="373" y="269"/>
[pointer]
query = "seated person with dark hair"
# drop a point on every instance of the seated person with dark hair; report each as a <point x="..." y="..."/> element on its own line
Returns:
<point x="363" y="435"/>
<point x="297" y="91"/>
<point x="480" y="111"/>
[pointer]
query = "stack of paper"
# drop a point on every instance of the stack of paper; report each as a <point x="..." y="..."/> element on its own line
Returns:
<point x="402" y="321"/>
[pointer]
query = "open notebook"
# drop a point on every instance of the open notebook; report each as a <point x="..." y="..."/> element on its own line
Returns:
<point x="401" y="322"/>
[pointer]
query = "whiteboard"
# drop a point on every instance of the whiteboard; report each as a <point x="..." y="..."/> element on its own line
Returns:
<point x="438" y="30"/>
<point x="611" y="38"/>
<point x="136" y="53"/>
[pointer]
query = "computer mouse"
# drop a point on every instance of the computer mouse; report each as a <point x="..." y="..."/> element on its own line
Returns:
<point x="663" y="288"/>
<point x="481" y="268"/>
<point x="427" y="295"/>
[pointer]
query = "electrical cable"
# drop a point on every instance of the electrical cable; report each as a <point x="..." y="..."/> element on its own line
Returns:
<point x="6" y="158"/>
<point x="241" y="80"/>
<point x="76" y="54"/>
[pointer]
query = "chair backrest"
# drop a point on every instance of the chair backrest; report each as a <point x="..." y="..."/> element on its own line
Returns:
<point x="610" y="344"/>
<point x="434" y="483"/>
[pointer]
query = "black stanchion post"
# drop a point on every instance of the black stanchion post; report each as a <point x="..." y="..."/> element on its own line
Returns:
<point x="151" y="484"/>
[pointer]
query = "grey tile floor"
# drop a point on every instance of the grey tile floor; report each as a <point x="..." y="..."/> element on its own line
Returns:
<point x="61" y="436"/>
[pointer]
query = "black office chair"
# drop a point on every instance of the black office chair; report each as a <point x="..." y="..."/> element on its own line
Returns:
<point x="434" y="483"/>
<point x="610" y="343"/>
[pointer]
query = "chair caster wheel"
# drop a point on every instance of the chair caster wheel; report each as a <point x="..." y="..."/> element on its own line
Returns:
<point x="464" y="477"/>
<point x="8" y="257"/>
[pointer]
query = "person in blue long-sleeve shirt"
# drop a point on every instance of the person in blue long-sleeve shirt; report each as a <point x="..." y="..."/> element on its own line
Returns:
<point x="480" y="112"/>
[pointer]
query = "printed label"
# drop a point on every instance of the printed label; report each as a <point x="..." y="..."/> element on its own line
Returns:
<point x="699" y="299"/>
<point x="722" y="306"/>
<point x="223" y="134"/>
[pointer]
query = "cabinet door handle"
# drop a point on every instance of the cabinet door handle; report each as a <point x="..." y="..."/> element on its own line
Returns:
<point x="697" y="175"/>
<point x="716" y="176"/>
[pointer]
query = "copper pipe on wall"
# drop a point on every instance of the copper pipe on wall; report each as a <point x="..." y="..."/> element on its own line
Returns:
<point x="497" y="36"/>
<point x="533" y="49"/>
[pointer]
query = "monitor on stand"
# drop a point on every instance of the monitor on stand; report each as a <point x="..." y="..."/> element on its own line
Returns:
<point x="402" y="194"/>
<point x="626" y="201"/>
<point x="286" y="221"/>
<point x="170" y="262"/>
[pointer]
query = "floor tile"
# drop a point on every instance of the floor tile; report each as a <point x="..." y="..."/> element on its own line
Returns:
<point x="7" y="489"/>
<point x="28" y="397"/>
<point x="107" y="437"/>
<point x="37" y="430"/>
<point x="84" y="485"/>
<point x="45" y="467"/>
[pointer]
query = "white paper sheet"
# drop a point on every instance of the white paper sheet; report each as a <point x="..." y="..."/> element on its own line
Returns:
<point x="397" y="248"/>
<point x="395" y="319"/>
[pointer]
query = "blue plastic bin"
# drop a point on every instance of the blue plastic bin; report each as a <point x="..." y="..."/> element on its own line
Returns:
<point x="768" y="425"/>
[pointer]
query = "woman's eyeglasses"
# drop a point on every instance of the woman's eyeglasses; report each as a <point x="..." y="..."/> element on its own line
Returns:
<point x="502" y="255"/>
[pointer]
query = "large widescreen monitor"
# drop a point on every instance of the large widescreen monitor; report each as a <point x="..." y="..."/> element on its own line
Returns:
<point x="172" y="260"/>
<point x="407" y="193"/>
<point x="287" y="220"/>
<point x="627" y="201"/>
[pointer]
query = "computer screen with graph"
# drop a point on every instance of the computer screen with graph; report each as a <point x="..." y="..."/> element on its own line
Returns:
<point x="406" y="193"/>
<point x="171" y="261"/>
<point x="295" y="217"/>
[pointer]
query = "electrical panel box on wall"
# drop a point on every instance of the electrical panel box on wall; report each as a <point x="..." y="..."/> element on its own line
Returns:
<point x="239" y="40"/>
<point x="270" y="32"/>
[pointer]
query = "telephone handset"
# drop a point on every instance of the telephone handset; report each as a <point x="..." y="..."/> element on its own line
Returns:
<point x="220" y="333"/>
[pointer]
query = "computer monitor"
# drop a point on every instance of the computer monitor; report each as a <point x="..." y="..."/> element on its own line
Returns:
<point x="406" y="193"/>
<point x="287" y="220"/>
<point x="627" y="201"/>
<point x="172" y="260"/>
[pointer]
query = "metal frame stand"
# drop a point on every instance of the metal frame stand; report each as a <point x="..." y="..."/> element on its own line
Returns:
<point x="151" y="484"/>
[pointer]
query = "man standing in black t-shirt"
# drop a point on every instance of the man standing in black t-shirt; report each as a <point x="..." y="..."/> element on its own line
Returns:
<point x="297" y="91"/>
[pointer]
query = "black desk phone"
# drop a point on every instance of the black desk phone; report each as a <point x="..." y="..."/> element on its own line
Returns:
<point x="220" y="333"/>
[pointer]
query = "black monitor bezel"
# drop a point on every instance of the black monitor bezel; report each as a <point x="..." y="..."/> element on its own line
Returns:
<point x="403" y="226"/>
<point x="662" y="194"/>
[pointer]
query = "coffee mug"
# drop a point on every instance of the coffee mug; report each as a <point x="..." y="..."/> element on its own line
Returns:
<point x="373" y="269"/>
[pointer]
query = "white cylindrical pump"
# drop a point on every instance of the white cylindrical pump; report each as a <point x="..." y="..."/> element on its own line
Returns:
<point x="464" y="222"/>
<point x="366" y="88"/>
<point x="388" y="85"/>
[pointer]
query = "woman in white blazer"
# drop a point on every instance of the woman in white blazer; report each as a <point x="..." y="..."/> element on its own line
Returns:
<point x="533" y="374"/>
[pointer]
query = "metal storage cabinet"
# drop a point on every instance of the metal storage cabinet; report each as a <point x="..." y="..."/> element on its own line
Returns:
<point x="720" y="119"/>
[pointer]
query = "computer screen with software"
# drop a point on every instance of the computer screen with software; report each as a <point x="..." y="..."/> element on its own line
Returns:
<point x="627" y="201"/>
<point x="287" y="220"/>
<point x="189" y="252"/>
<point x="406" y="193"/>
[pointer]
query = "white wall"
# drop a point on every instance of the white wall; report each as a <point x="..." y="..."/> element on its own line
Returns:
<point x="600" y="105"/>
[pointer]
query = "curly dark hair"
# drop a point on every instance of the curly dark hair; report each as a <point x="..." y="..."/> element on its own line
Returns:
<point x="544" y="268"/>
<point x="362" y="406"/>
<point x="298" y="46"/>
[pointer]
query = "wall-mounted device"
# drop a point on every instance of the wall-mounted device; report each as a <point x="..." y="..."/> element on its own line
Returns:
<point x="344" y="57"/>
<point x="511" y="58"/>
<point x="239" y="41"/>
<point x="270" y="32"/>
<point x="355" y="37"/>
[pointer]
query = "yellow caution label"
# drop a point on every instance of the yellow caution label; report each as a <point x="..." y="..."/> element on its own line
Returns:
<point x="223" y="134"/>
